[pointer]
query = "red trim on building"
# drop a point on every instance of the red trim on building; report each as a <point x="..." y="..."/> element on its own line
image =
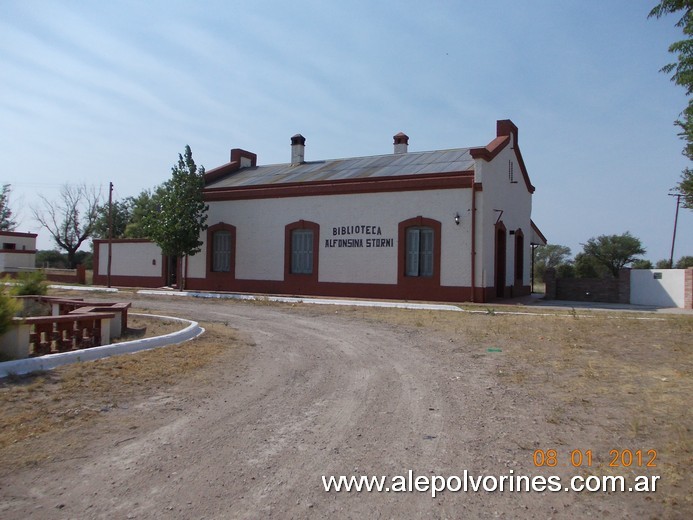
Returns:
<point x="19" y="251"/>
<point x="504" y="129"/>
<point x="237" y="154"/>
<point x="351" y="290"/>
<point x="343" y="187"/>
<point x="17" y="234"/>
<point x="488" y="152"/>
<point x="538" y="232"/>
<point x="123" y="241"/>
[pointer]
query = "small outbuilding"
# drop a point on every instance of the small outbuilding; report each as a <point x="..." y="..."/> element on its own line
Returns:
<point x="18" y="252"/>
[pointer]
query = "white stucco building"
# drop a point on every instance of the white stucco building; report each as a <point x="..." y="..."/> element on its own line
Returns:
<point x="17" y="251"/>
<point x="448" y="225"/>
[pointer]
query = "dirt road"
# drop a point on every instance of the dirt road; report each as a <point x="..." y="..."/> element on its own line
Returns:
<point x="319" y="393"/>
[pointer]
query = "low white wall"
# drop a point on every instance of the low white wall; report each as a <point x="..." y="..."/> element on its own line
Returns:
<point x="25" y="366"/>
<point x="660" y="287"/>
<point x="16" y="261"/>
<point x="131" y="259"/>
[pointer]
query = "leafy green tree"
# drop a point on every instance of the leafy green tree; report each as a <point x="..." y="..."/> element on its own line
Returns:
<point x="565" y="270"/>
<point x="122" y="214"/>
<point x="682" y="75"/>
<point x="587" y="266"/>
<point x="685" y="188"/>
<point x="50" y="258"/>
<point x="662" y="264"/>
<point x="142" y="205"/>
<point x="614" y="251"/>
<point x="70" y="221"/>
<point x="549" y="256"/>
<point x="684" y="262"/>
<point x="641" y="264"/>
<point x="181" y="212"/>
<point x="6" y="222"/>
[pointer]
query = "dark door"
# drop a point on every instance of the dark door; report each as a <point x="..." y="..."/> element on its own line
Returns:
<point x="500" y="263"/>
<point x="171" y="270"/>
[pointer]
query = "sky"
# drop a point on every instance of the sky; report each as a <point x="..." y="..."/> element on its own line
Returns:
<point x="99" y="92"/>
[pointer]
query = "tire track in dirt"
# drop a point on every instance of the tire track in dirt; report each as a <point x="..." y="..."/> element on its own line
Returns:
<point x="317" y="394"/>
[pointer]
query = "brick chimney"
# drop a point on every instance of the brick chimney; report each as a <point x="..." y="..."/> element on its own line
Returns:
<point x="298" y="149"/>
<point x="401" y="142"/>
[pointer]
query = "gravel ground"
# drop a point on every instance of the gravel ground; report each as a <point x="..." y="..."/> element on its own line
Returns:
<point x="318" y="392"/>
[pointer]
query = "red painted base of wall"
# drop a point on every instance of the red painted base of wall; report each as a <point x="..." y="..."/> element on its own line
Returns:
<point x="345" y="290"/>
<point x="341" y="290"/>
<point x="130" y="281"/>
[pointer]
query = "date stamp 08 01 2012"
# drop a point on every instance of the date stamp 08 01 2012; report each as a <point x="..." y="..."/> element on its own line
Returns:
<point x="584" y="458"/>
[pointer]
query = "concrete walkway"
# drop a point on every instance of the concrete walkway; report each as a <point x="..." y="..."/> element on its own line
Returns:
<point x="535" y="300"/>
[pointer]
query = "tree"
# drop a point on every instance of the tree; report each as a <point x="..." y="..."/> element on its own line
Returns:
<point x="71" y="220"/>
<point x="684" y="262"/>
<point x="6" y="222"/>
<point x="662" y="264"/>
<point x="122" y="213"/>
<point x="142" y="205"/>
<point x="549" y="256"/>
<point x="613" y="251"/>
<point x="181" y="213"/>
<point x="685" y="188"/>
<point x="50" y="258"/>
<point x="641" y="264"/>
<point x="587" y="266"/>
<point x="682" y="75"/>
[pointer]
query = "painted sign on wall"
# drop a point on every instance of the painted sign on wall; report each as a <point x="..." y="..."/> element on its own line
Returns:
<point x="358" y="236"/>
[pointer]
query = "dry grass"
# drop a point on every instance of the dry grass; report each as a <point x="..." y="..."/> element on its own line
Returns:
<point x="142" y="327"/>
<point x="48" y="403"/>
<point x="607" y="381"/>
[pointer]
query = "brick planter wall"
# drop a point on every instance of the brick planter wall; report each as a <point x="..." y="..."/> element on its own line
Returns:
<point x="607" y="290"/>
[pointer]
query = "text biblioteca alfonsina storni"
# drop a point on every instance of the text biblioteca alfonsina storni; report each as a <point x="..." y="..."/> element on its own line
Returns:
<point x="358" y="236"/>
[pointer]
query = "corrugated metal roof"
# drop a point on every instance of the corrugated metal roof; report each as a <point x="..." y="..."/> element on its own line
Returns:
<point x="412" y="163"/>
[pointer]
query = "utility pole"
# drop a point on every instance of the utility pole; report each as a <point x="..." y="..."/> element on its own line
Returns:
<point x="110" y="230"/>
<point x="676" y="220"/>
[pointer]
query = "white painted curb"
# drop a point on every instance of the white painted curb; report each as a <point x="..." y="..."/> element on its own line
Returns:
<point x="314" y="301"/>
<point x="24" y="366"/>
<point x="94" y="288"/>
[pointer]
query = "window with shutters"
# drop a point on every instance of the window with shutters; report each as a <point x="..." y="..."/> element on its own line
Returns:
<point x="221" y="251"/>
<point x="418" y="256"/>
<point x="302" y="251"/>
<point x="301" y="258"/>
<point x="419" y="251"/>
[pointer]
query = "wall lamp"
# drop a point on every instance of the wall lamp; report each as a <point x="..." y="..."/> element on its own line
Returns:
<point x="457" y="219"/>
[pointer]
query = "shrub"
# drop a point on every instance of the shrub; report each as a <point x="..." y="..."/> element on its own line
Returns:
<point x="30" y="283"/>
<point x="8" y="308"/>
<point x="565" y="271"/>
<point x="641" y="264"/>
<point x="684" y="262"/>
